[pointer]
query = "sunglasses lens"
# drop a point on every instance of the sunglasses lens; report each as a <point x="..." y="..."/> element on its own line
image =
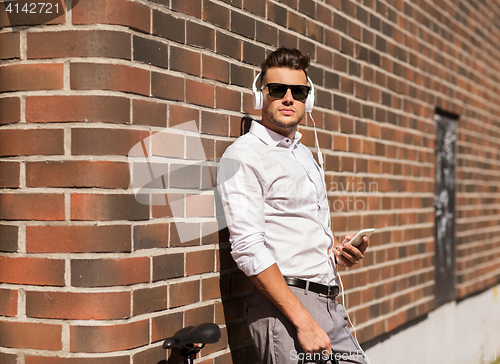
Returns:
<point x="278" y="91"/>
<point x="299" y="92"/>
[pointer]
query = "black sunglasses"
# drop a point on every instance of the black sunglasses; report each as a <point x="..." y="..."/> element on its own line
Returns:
<point x="278" y="90"/>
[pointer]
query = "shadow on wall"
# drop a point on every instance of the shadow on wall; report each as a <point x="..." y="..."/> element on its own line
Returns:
<point x="235" y="288"/>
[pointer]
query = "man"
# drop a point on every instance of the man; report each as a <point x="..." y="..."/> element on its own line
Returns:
<point x="277" y="214"/>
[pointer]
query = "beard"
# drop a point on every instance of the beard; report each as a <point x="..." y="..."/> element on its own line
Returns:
<point x="288" y="123"/>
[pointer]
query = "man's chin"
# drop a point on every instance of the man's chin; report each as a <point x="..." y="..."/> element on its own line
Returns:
<point x="286" y="122"/>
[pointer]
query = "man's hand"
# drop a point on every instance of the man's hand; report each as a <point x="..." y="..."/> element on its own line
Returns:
<point x="312" y="338"/>
<point x="348" y="255"/>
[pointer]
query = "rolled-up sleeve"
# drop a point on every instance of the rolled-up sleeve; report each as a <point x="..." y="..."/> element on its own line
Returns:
<point x="242" y="187"/>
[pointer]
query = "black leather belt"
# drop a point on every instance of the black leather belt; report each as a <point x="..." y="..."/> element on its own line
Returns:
<point x="328" y="291"/>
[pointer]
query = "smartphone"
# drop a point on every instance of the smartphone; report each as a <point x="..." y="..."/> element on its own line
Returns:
<point x="358" y="238"/>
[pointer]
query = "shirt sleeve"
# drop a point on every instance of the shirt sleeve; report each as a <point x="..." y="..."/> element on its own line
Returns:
<point x="241" y="186"/>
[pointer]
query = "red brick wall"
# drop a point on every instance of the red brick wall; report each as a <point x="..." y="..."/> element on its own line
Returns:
<point x="92" y="276"/>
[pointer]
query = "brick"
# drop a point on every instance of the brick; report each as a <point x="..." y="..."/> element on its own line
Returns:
<point x="184" y="60"/>
<point x="199" y="93"/>
<point x="184" y="293"/>
<point x="196" y="315"/>
<point x="27" y="335"/>
<point x="200" y="205"/>
<point x="106" y="109"/>
<point x="253" y="54"/>
<point x="154" y="354"/>
<point x="167" y="86"/>
<point x="215" y="68"/>
<point x="149" y="113"/>
<point x="34" y="18"/>
<point x="109" y="272"/>
<point x="214" y="123"/>
<point x="150" y="300"/>
<point x="332" y="80"/>
<point x="340" y="103"/>
<point x="277" y="14"/>
<point x="8" y="358"/>
<point x="32" y="206"/>
<point x="28" y="77"/>
<point x="287" y="40"/>
<point x="185" y="234"/>
<point x="200" y="262"/>
<point x="87" y="206"/>
<point x="104" y="141"/>
<point x="102" y="339"/>
<point x="78" y="306"/>
<point x="116" y="77"/>
<point x="161" y="204"/>
<point x="227" y="99"/>
<point x="9" y="174"/>
<point x="242" y="76"/>
<point x="243" y="25"/>
<point x="168" y="266"/>
<point x="8" y="238"/>
<point x="308" y="8"/>
<point x="192" y="7"/>
<point x="297" y="22"/>
<point x="9" y="45"/>
<point x="151" y="236"/>
<point x="32" y="271"/>
<point x="266" y="33"/>
<point x="8" y="302"/>
<point x="236" y="3"/>
<point x="324" y="15"/>
<point x="211" y="288"/>
<point x="10" y="110"/>
<point x="117" y="12"/>
<point x="200" y="35"/>
<point x="77" y="174"/>
<point x="150" y="51"/>
<point x="200" y="148"/>
<point x="96" y="43"/>
<point x="78" y="239"/>
<point x="215" y="14"/>
<point x="167" y="144"/>
<point x="255" y="7"/>
<point x="166" y="325"/>
<point x="228" y="45"/>
<point x="58" y="360"/>
<point x="169" y="27"/>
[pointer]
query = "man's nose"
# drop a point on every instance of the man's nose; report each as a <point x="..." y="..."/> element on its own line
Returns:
<point x="288" y="96"/>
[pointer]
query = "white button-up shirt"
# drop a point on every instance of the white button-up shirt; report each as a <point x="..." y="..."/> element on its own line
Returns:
<point x="275" y="206"/>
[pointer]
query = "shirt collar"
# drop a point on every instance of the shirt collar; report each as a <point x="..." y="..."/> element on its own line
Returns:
<point x="270" y="137"/>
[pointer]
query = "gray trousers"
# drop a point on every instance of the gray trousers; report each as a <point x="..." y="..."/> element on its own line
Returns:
<point x="276" y="338"/>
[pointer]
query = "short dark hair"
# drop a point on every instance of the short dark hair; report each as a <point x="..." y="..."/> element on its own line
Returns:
<point x="285" y="58"/>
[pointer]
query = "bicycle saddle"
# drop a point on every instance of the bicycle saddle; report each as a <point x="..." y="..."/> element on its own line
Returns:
<point x="201" y="334"/>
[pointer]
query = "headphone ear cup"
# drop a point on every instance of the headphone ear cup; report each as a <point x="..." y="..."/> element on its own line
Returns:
<point x="310" y="98"/>
<point x="258" y="96"/>
<point x="309" y="103"/>
<point x="258" y="100"/>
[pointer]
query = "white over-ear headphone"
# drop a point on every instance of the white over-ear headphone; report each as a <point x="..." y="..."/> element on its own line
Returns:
<point x="258" y="96"/>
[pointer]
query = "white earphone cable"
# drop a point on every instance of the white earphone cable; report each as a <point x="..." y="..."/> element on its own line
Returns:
<point x="320" y="160"/>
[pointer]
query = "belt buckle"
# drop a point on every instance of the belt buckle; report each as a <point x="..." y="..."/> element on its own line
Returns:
<point x="331" y="291"/>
